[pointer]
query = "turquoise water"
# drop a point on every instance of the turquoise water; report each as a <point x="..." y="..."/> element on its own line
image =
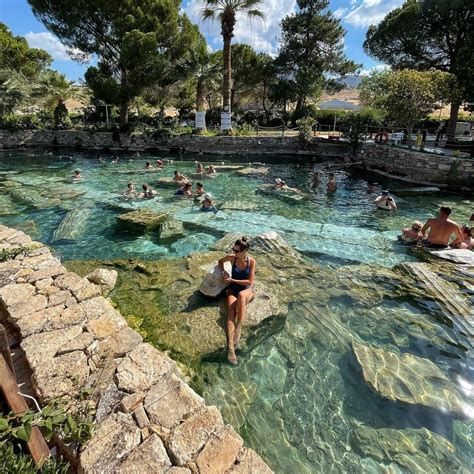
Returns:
<point x="298" y="397"/>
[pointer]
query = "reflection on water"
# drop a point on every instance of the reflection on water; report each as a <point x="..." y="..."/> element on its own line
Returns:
<point x="298" y="397"/>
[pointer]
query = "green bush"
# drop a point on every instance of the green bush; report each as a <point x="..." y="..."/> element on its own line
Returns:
<point x="305" y="132"/>
<point x="244" y="130"/>
<point x="16" y="122"/>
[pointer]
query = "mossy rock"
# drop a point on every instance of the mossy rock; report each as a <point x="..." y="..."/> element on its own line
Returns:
<point x="142" y="220"/>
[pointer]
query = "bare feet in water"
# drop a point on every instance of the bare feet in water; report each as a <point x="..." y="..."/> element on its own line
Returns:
<point x="231" y="357"/>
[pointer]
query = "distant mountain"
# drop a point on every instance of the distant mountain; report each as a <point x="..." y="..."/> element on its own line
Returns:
<point x="351" y="81"/>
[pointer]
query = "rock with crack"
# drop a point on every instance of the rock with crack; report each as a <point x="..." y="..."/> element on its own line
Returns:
<point x="249" y="462"/>
<point x="408" y="379"/>
<point x="170" y="230"/>
<point x="106" y="279"/>
<point x="113" y="440"/>
<point x="149" y="457"/>
<point x="187" y="439"/>
<point x="253" y="172"/>
<point x="143" y="367"/>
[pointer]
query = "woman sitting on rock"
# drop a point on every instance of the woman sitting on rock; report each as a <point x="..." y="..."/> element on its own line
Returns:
<point x="468" y="238"/>
<point x="239" y="292"/>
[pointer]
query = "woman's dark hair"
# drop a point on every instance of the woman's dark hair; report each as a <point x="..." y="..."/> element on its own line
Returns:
<point x="147" y="163"/>
<point x="187" y="185"/>
<point x="175" y="172"/>
<point x="199" y="184"/>
<point x="242" y="243"/>
<point x="145" y="187"/>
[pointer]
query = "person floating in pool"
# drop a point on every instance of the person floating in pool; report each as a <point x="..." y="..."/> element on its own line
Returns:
<point x="412" y="235"/>
<point x="178" y="177"/>
<point x="441" y="229"/>
<point x="200" y="169"/>
<point x="148" y="166"/>
<point x="147" y="193"/>
<point x="332" y="185"/>
<point x="280" y="184"/>
<point x="131" y="191"/>
<point x="468" y="235"/>
<point x="186" y="190"/>
<point x="100" y="159"/>
<point x="77" y="176"/>
<point x="385" y="202"/>
<point x="239" y="292"/>
<point x="211" y="170"/>
<point x="199" y="189"/>
<point x="115" y="160"/>
<point x="207" y="204"/>
<point x="159" y="163"/>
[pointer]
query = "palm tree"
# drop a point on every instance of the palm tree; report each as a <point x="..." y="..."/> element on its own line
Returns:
<point x="205" y="69"/>
<point x="225" y="11"/>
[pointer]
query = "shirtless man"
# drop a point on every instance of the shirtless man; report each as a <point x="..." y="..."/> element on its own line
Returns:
<point x="441" y="229"/>
<point x="332" y="185"/>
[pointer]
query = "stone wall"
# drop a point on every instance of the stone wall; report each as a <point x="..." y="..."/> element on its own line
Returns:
<point x="191" y="143"/>
<point x="148" y="418"/>
<point x="418" y="167"/>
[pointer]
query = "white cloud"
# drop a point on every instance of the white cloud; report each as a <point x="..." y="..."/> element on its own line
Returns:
<point x="262" y="35"/>
<point x="377" y="68"/>
<point x="339" y="13"/>
<point x="370" y="12"/>
<point x="50" y="43"/>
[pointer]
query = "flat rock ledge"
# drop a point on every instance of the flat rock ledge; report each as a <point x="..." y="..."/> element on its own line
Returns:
<point x="148" y="418"/>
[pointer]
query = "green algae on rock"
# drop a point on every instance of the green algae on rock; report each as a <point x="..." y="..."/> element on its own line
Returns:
<point x="409" y="379"/>
<point x="142" y="220"/>
<point x="412" y="450"/>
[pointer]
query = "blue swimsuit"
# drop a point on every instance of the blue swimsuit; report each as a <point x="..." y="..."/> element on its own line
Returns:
<point x="238" y="274"/>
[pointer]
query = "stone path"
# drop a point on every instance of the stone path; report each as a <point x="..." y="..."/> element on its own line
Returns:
<point x="148" y="418"/>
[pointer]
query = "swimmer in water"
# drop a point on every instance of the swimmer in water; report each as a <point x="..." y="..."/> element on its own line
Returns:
<point x="332" y="185"/>
<point x="185" y="191"/>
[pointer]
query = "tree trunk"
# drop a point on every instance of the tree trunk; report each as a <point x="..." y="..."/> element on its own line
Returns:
<point x="227" y="82"/>
<point x="409" y="132"/>
<point x="125" y="102"/>
<point x="200" y="96"/>
<point x="124" y="114"/>
<point x="453" y="118"/>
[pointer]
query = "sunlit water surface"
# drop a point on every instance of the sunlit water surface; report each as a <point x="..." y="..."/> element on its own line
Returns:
<point x="297" y="398"/>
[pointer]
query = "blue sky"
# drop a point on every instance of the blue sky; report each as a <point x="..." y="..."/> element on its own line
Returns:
<point x="356" y="16"/>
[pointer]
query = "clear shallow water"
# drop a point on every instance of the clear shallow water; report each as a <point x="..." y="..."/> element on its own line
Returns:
<point x="297" y="398"/>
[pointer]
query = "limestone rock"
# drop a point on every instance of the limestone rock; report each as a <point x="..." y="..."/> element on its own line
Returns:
<point x="170" y="230"/>
<point x="141" y="417"/>
<point x="413" y="450"/>
<point x="26" y="307"/>
<point x="253" y="172"/>
<point x="120" y="343"/>
<point x="41" y="348"/>
<point x="106" y="279"/>
<point x="48" y="272"/>
<point x="220" y="452"/>
<point x="149" y="457"/>
<point x="97" y="307"/>
<point x="249" y="462"/>
<point x="106" y="325"/>
<point x="63" y="375"/>
<point x="168" y="182"/>
<point x="109" y="402"/>
<point x="114" y="439"/>
<point x="407" y="378"/>
<point x="178" y="470"/>
<point x="142" y="220"/>
<point x="213" y="284"/>
<point x="132" y="401"/>
<point x="169" y="400"/>
<point x="80" y="343"/>
<point x="187" y="439"/>
<point x="463" y="256"/>
<point x="12" y="294"/>
<point x="142" y="368"/>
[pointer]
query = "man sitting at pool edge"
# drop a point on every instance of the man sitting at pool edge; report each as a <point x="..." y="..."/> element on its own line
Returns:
<point x="441" y="230"/>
